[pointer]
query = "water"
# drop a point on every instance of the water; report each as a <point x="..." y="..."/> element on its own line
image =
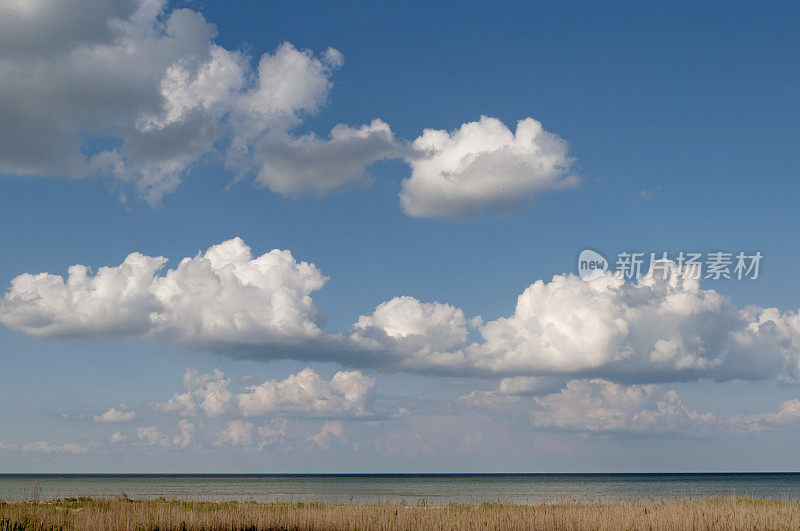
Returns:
<point x="409" y="488"/>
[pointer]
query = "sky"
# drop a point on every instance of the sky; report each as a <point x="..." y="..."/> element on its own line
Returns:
<point x="344" y="237"/>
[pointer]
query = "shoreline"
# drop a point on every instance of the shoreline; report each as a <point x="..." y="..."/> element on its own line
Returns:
<point x="523" y="489"/>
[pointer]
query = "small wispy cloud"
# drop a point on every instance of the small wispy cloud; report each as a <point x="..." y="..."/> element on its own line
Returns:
<point x="121" y="414"/>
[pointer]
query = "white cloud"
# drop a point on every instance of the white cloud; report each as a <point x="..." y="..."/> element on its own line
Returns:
<point x="151" y="436"/>
<point x="216" y="398"/>
<point x="121" y="414"/>
<point x="238" y="433"/>
<point x="483" y="165"/>
<point x="411" y="332"/>
<point x="570" y="325"/>
<point x="288" y="84"/>
<point x="658" y="329"/>
<point x="223" y="296"/>
<point x="331" y="430"/>
<point x="117" y="437"/>
<point x="186" y="433"/>
<point x="116" y="301"/>
<point x="42" y="447"/>
<point x="229" y="302"/>
<point x="180" y="403"/>
<point x="207" y="391"/>
<point x="598" y="405"/>
<point x="768" y="344"/>
<point x="788" y="413"/>
<point x="346" y="394"/>
<point x="215" y="395"/>
<point x="654" y="330"/>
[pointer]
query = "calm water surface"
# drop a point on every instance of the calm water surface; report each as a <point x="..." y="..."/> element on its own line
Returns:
<point x="410" y="488"/>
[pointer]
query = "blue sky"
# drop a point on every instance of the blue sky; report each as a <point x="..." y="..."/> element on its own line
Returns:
<point x="680" y="128"/>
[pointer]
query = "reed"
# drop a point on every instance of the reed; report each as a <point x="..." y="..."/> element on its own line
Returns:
<point x="702" y="513"/>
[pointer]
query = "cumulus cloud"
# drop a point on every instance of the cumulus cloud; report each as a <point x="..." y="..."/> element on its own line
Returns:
<point x="601" y="406"/>
<point x="215" y="397"/>
<point x="208" y="392"/>
<point x="571" y="326"/>
<point x="116" y="301"/>
<point x="412" y="333"/>
<point x="346" y="394"/>
<point x="151" y="86"/>
<point x="330" y="431"/>
<point x="121" y="414"/>
<point x="288" y="84"/>
<point x="184" y="439"/>
<point x="151" y="436"/>
<point x="238" y="433"/>
<point x="788" y="413"/>
<point x="117" y="438"/>
<point x="42" y="447"/>
<point x="181" y="403"/>
<point x="768" y="344"/>
<point x="483" y="165"/>
<point x="223" y="296"/>
<point x="658" y="329"/>
<point x="510" y="391"/>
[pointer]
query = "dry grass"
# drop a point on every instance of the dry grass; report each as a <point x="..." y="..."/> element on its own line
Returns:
<point x="708" y="513"/>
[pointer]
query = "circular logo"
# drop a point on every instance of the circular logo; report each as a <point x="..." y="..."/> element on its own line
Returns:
<point x="591" y="264"/>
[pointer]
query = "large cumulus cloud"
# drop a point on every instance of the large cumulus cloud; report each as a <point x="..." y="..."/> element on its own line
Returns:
<point x="409" y="333"/>
<point x="665" y="326"/>
<point x="483" y="165"/>
<point x="226" y="300"/>
<point x="661" y="328"/>
<point x="223" y="296"/>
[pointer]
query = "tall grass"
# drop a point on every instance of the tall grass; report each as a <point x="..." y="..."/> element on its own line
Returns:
<point x="704" y="513"/>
